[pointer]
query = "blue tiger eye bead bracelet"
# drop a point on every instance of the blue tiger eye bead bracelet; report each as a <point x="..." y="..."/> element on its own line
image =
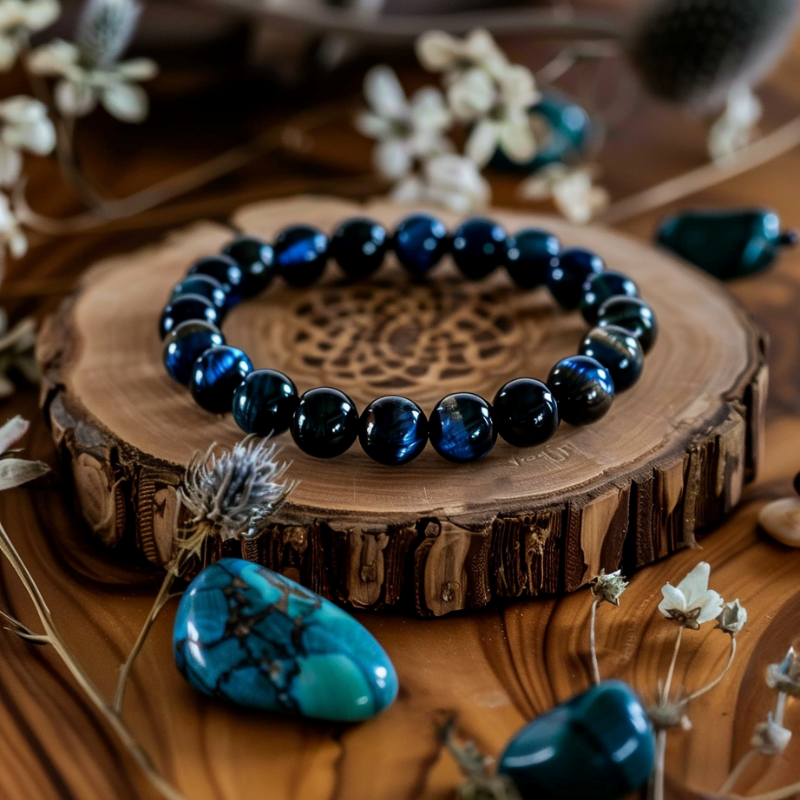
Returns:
<point x="463" y="427"/>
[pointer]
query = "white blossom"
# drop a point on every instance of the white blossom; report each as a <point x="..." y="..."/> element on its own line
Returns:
<point x="406" y="130"/>
<point x="572" y="189"/>
<point x="438" y="51"/>
<point x="24" y="125"/>
<point x="691" y="602"/>
<point x="18" y="19"/>
<point x="12" y="236"/>
<point x="448" y="180"/>
<point x="732" y="618"/>
<point x="735" y="128"/>
<point x="771" y="738"/>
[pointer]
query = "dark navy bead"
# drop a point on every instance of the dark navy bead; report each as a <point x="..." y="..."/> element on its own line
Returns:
<point x="583" y="388"/>
<point x="632" y="314"/>
<point x="479" y="247"/>
<point x="574" y="268"/>
<point x="215" y="376"/>
<point x="185" y="344"/>
<point x="600" y="288"/>
<point x="227" y="272"/>
<point x="393" y="430"/>
<point x="265" y="402"/>
<point x="205" y="286"/>
<point x="359" y="246"/>
<point x="189" y="306"/>
<point x="597" y="746"/>
<point x="256" y="259"/>
<point x="419" y="243"/>
<point x="301" y="252"/>
<point x="618" y="350"/>
<point x="530" y="255"/>
<point x="325" y="423"/>
<point x="525" y="412"/>
<point x="461" y="427"/>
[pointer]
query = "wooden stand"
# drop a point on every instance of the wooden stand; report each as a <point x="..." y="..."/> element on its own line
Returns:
<point x="667" y="462"/>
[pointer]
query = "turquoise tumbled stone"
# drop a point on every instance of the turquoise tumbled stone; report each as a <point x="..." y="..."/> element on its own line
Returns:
<point x="249" y="635"/>
<point x="725" y="243"/>
<point x="597" y="746"/>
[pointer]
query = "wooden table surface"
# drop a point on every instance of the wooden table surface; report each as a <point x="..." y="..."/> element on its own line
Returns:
<point x="494" y="670"/>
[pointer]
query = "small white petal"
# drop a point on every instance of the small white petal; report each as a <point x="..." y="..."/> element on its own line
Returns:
<point x="16" y="471"/>
<point x="516" y="139"/>
<point x="518" y="87"/>
<point x="18" y="243"/>
<point x="409" y="191"/>
<point x="373" y="126"/>
<point x="126" y="102"/>
<point x="710" y="608"/>
<point x="137" y="69"/>
<point x="385" y="94"/>
<point x="437" y="50"/>
<point x="9" y="50"/>
<point x="54" y="58"/>
<point x="673" y="599"/>
<point x="482" y="142"/>
<point x="428" y="110"/>
<point x="41" y="13"/>
<point x="74" y="99"/>
<point x="10" y="165"/>
<point x="392" y="158"/>
<point x="472" y="95"/>
<point x="12" y="432"/>
<point x="695" y="584"/>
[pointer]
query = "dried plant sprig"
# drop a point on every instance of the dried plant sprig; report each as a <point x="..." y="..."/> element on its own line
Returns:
<point x="606" y="588"/>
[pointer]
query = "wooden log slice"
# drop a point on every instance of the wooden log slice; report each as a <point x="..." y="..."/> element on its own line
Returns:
<point x="666" y="463"/>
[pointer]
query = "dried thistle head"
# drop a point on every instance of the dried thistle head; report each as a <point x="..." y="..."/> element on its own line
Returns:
<point x="235" y="491"/>
<point x="105" y="30"/>
<point x="609" y="587"/>
<point x="785" y="677"/>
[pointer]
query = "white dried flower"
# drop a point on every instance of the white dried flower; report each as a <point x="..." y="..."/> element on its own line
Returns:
<point x="732" y="618"/>
<point x="691" y="602"/>
<point x="235" y="491"/>
<point x="17" y="353"/>
<point x="770" y="738"/>
<point x="735" y="128"/>
<point x="438" y="51"/>
<point x="90" y="71"/>
<point x="18" y="19"/>
<point x="16" y="471"/>
<point x="572" y="189"/>
<point x="406" y="130"/>
<point x="24" y="125"/>
<point x="785" y="677"/>
<point x="448" y="180"/>
<point x="12" y="236"/>
<point x="609" y="587"/>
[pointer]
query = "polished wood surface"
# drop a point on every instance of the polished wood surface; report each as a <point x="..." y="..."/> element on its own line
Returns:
<point x="493" y="669"/>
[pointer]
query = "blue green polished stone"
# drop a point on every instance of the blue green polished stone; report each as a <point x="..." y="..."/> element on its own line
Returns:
<point x="726" y="243"/>
<point x="249" y="635"/>
<point x="597" y="746"/>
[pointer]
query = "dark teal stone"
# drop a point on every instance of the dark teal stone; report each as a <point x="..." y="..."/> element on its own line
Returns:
<point x="253" y="637"/>
<point x="530" y="255"/>
<point x="185" y="343"/>
<point x="256" y="259"/>
<point x="227" y="272"/>
<point x="215" y="376"/>
<point x="583" y="388"/>
<point x="525" y="412"/>
<point x="726" y="243"/>
<point x="461" y="428"/>
<point x="599" y="745"/>
<point x="565" y="280"/>
<point x="325" y="423"/>
<point x="265" y="402"/>
<point x="618" y="350"/>
<point x="393" y="430"/>
<point x="632" y="314"/>
<point x="478" y="247"/>
<point x="419" y="243"/>
<point x="599" y="288"/>
<point x="205" y="286"/>
<point x="187" y="307"/>
<point x="301" y="253"/>
<point x="359" y="246"/>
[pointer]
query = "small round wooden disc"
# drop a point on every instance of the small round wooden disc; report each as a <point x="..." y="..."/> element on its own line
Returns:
<point x="668" y="460"/>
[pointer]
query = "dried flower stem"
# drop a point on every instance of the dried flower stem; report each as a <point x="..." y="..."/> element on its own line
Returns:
<point x="778" y="794"/>
<point x="53" y="637"/>
<point x="593" y="640"/>
<point x="718" y="679"/>
<point x="737" y="772"/>
<point x="671" y="672"/>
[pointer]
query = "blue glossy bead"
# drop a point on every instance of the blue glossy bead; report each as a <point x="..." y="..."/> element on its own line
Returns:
<point x="461" y="427"/>
<point x="525" y="412"/>
<point x="265" y="402"/>
<point x="583" y="388"/>
<point x="227" y="272"/>
<point x="574" y="268"/>
<point x="632" y="314"/>
<point x="478" y="247"/>
<point x="256" y="259"/>
<point x="393" y="430"/>
<point x="325" y="423"/>
<point x="618" y="350"/>
<point x="600" y="288"/>
<point x="599" y="745"/>
<point x="205" y="286"/>
<point x="530" y="256"/>
<point x="216" y="375"/>
<point x="359" y="246"/>
<point x="248" y="635"/>
<point x="420" y="242"/>
<point x="186" y="307"/>
<point x="301" y="253"/>
<point x="185" y="344"/>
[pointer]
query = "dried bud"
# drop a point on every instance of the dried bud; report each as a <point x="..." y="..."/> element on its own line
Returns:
<point x="669" y="714"/>
<point x="732" y="618"/>
<point x="770" y="738"/>
<point x="785" y="677"/>
<point x="609" y="587"/>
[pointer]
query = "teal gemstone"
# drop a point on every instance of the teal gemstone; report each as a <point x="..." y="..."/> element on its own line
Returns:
<point x="597" y="746"/>
<point x="725" y="243"/>
<point x="249" y="635"/>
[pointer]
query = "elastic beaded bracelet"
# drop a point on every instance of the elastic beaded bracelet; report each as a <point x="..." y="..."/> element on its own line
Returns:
<point x="393" y="430"/>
